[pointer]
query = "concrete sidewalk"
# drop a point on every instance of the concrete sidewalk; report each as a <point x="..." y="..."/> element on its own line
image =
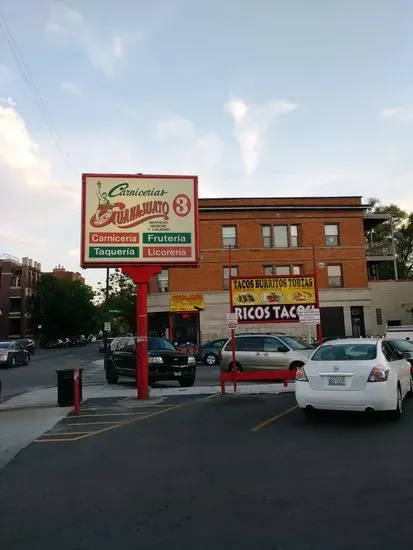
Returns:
<point x="47" y="397"/>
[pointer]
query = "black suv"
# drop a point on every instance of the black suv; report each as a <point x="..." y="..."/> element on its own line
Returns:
<point x="164" y="362"/>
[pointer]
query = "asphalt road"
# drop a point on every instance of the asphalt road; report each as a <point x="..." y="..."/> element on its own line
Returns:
<point x="41" y="371"/>
<point x="237" y="471"/>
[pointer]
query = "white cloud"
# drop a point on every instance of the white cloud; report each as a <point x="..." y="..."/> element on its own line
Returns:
<point x="103" y="49"/>
<point x="71" y="87"/>
<point x="35" y="207"/>
<point x="400" y="113"/>
<point x="250" y="124"/>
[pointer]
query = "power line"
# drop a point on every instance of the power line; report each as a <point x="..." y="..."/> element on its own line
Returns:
<point x="34" y="90"/>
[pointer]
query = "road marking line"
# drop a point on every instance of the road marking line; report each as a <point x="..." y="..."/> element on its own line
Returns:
<point x="90" y="423"/>
<point x="48" y="439"/>
<point x="97" y="415"/>
<point x="212" y="396"/>
<point x="63" y="433"/>
<point x="64" y="440"/>
<point x="131" y="421"/>
<point x="273" y="418"/>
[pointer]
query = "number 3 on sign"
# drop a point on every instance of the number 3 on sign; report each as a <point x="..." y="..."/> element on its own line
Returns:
<point x="182" y="205"/>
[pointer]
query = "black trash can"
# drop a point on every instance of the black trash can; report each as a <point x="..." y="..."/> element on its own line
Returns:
<point x="65" y="387"/>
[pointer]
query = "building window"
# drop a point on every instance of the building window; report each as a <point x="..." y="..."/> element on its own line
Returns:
<point x="266" y="236"/>
<point x="15" y="281"/>
<point x="15" y="305"/>
<point x="229" y="236"/>
<point x="234" y="273"/>
<point x="163" y="281"/>
<point x="281" y="236"/>
<point x="335" y="276"/>
<point x="331" y="236"/>
<point x="379" y="316"/>
<point x="282" y="270"/>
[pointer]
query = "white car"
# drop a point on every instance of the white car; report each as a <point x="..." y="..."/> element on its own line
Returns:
<point x="363" y="374"/>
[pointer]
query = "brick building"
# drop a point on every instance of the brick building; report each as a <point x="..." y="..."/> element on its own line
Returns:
<point x="275" y="236"/>
<point x="18" y="283"/>
<point x="61" y="273"/>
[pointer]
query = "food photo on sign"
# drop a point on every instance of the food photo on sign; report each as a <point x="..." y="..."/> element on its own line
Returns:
<point x="272" y="299"/>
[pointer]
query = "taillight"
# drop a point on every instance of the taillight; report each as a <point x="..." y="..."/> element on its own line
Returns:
<point x="378" y="374"/>
<point x="300" y="375"/>
<point x="4" y="355"/>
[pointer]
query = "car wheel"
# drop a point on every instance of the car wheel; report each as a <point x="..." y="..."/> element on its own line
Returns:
<point x="309" y="412"/>
<point x="398" y="412"/>
<point x="111" y="377"/>
<point x="238" y="367"/>
<point x="411" y="385"/>
<point x="210" y="359"/>
<point x="26" y="360"/>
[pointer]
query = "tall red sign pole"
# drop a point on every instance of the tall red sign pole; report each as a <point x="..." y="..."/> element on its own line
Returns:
<point x="317" y="296"/>
<point x="234" y="368"/>
<point x="141" y="277"/>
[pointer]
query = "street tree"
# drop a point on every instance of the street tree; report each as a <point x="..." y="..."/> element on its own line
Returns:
<point x="64" y="308"/>
<point x="121" y="298"/>
<point x="403" y="239"/>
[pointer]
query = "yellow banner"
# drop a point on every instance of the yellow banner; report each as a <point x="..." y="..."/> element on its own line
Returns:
<point x="186" y="302"/>
<point x="260" y="291"/>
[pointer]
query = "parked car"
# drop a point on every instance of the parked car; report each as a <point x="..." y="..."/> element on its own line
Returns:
<point x="27" y="344"/>
<point x="405" y="347"/>
<point x="78" y="340"/>
<point x="164" y="361"/>
<point x="265" y="351"/>
<point x="362" y="374"/>
<point x="12" y="354"/>
<point x="210" y="352"/>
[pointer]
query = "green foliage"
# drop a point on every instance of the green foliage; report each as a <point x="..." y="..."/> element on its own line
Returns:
<point x="403" y="238"/>
<point x="64" y="308"/>
<point x="122" y="297"/>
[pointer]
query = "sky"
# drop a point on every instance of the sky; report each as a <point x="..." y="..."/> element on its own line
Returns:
<point x="257" y="98"/>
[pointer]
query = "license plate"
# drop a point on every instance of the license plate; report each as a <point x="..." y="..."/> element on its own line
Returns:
<point x="177" y="373"/>
<point x="337" y="381"/>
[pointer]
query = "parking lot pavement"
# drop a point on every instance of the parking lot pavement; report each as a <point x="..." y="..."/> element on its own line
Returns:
<point x="242" y="471"/>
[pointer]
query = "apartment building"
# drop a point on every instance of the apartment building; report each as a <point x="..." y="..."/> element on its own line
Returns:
<point x="275" y="236"/>
<point x="18" y="283"/>
<point x="61" y="273"/>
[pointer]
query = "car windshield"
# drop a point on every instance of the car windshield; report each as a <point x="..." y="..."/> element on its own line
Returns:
<point x="160" y="344"/>
<point x="4" y="345"/>
<point x="346" y="352"/>
<point x="293" y="344"/>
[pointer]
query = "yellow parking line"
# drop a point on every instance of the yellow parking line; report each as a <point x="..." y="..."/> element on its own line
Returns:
<point x="137" y="419"/>
<point x="98" y="415"/>
<point x="89" y="423"/>
<point x="212" y="396"/>
<point x="273" y="418"/>
<point x="64" y="440"/>
<point x="63" y="433"/>
<point x="54" y="437"/>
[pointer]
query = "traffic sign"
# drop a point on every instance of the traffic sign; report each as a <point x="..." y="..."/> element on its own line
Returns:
<point x="115" y="311"/>
<point x="232" y="320"/>
<point x="106" y="326"/>
<point x="310" y="316"/>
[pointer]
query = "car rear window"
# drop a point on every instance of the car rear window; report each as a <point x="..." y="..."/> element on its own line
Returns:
<point x="4" y="345"/>
<point x="346" y="352"/>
